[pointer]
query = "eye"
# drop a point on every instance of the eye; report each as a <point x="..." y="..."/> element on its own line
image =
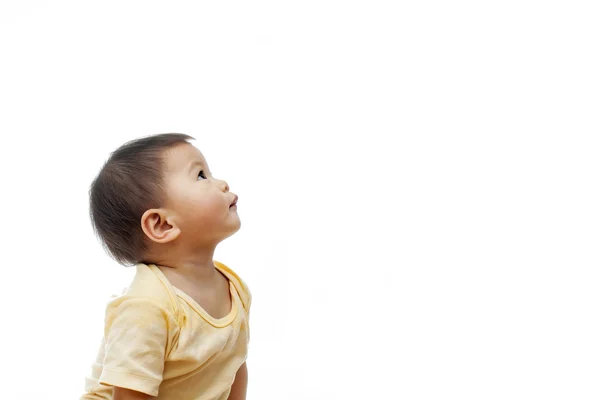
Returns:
<point x="201" y="174"/>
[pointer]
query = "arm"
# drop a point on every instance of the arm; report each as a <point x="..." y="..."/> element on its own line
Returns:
<point x="120" y="393"/>
<point x="238" y="389"/>
<point x="136" y="335"/>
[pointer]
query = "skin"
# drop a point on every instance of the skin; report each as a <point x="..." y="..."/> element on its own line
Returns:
<point x="183" y="236"/>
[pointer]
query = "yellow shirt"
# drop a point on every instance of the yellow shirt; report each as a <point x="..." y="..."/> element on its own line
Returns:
<point x="159" y="341"/>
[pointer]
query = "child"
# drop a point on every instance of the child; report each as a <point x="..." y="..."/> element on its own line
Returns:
<point x="180" y="330"/>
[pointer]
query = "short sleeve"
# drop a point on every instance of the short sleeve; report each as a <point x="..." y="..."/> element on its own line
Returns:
<point x="135" y="339"/>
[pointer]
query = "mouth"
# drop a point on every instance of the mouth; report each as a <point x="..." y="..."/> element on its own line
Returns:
<point x="234" y="202"/>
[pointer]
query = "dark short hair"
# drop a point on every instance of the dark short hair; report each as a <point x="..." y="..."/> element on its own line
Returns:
<point x="129" y="183"/>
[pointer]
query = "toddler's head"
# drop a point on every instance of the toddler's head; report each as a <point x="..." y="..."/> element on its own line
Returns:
<point x="156" y="195"/>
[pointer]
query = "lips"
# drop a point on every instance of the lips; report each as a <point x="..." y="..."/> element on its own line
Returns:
<point x="234" y="201"/>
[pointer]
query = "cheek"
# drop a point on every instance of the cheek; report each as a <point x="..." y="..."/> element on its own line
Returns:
<point x="205" y="207"/>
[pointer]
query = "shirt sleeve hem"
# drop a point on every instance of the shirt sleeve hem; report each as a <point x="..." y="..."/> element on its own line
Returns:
<point x="128" y="380"/>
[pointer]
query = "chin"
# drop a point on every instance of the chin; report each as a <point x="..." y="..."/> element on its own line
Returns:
<point x="237" y="228"/>
<point x="232" y="231"/>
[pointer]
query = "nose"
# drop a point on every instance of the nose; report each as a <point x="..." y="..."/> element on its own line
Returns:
<point x="223" y="185"/>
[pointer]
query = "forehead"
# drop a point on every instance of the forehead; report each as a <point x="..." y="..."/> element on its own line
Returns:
<point x="180" y="156"/>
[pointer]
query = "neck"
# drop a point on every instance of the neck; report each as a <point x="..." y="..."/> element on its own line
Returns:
<point x="196" y="267"/>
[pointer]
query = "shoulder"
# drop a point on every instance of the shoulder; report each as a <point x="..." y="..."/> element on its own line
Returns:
<point x="131" y="310"/>
<point x="146" y="296"/>
<point x="232" y="275"/>
<point x="239" y="284"/>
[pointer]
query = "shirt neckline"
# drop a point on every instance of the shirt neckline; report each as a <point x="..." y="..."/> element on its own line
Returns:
<point x="216" y="322"/>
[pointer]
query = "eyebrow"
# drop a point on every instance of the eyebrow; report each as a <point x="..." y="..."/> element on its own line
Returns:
<point x="194" y="164"/>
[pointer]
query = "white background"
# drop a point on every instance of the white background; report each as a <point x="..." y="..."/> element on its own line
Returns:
<point x="418" y="186"/>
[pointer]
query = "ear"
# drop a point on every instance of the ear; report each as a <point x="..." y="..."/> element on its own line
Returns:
<point x="159" y="226"/>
